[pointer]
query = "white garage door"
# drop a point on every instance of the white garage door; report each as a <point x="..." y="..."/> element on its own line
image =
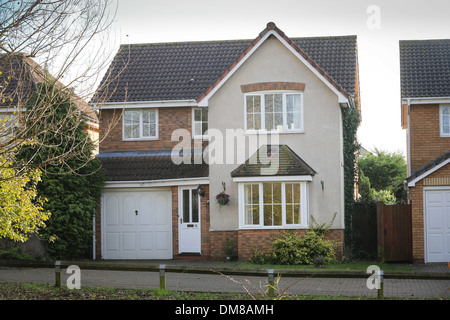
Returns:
<point x="437" y="225"/>
<point x="137" y="224"/>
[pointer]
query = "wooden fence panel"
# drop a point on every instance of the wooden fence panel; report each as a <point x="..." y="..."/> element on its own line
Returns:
<point x="364" y="227"/>
<point x="394" y="232"/>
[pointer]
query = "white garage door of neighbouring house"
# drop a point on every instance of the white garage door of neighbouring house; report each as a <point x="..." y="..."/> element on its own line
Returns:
<point x="437" y="225"/>
<point x="137" y="224"/>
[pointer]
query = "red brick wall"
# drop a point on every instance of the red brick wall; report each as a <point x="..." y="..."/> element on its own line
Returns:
<point x="425" y="146"/>
<point x="417" y="202"/>
<point x="417" y="223"/>
<point x="249" y="240"/>
<point x="426" y="143"/>
<point x="170" y="119"/>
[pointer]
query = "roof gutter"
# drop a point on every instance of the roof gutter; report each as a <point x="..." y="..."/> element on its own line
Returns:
<point x="426" y="100"/>
<point x="146" y="104"/>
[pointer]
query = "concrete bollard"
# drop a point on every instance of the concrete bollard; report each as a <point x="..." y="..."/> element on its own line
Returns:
<point x="271" y="283"/>
<point x="162" y="276"/>
<point x="58" y="274"/>
<point x="381" y="288"/>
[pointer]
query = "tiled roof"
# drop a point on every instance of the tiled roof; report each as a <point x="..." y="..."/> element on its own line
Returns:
<point x="186" y="70"/>
<point x="429" y="166"/>
<point x="425" y="68"/>
<point x="18" y="78"/>
<point x="281" y="161"/>
<point x="145" y="166"/>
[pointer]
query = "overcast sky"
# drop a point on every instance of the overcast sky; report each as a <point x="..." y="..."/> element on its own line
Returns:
<point x="378" y="24"/>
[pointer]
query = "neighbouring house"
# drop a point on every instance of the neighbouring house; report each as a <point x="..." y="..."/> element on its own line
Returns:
<point x="425" y="99"/>
<point x="213" y="140"/>
<point x="19" y="75"/>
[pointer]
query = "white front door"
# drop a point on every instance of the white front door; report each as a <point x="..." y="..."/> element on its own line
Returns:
<point x="189" y="220"/>
<point x="437" y="225"/>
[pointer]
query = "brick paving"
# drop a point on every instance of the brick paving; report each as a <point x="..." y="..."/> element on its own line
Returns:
<point x="403" y="288"/>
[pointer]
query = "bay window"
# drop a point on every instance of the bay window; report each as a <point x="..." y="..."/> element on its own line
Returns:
<point x="277" y="204"/>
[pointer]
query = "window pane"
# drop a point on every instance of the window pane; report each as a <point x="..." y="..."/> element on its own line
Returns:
<point x="152" y="130"/>
<point x="296" y="214"/>
<point x="296" y="192"/>
<point x="445" y="120"/>
<point x="249" y="104"/>
<point x="253" y="110"/>
<point x="251" y="200"/>
<point x="131" y="124"/>
<point x="267" y="193"/>
<point x="268" y="100"/>
<point x="198" y="115"/>
<point x="250" y="123"/>
<point x="257" y="104"/>
<point x="292" y="191"/>
<point x="197" y="128"/>
<point x="194" y="205"/>
<point x="269" y="121"/>
<point x="293" y="102"/>
<point x="148" y="123"/>
<point x="278" y="121"/>
<point x="277" y="192"/>
<point x="277" y="213"/>
<point x="272" y="204"/>
<point x="186" y="216"/>
<point x="278" y="103"/>
<point x="268" y="220"/>
<point x="289" y="214"/>
<point x="204" y="127"/>
<point x="257" y="121"/>
<point x="288" y="192"/>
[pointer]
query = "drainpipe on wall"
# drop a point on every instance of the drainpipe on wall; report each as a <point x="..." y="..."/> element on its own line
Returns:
<point x="408" y="194"/>
<point x="93" y="236"/>
<point x="409" y="138"/>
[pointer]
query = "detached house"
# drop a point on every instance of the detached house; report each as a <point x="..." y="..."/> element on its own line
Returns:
<point x="425" y="89"/>
<point x="19" y="77"/>
<point x="256" y="124"/>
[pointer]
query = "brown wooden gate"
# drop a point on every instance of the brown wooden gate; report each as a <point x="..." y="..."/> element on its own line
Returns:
<point x="394" y="232"/>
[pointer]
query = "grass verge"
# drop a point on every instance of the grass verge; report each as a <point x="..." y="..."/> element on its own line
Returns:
<point x="42" y="291"/>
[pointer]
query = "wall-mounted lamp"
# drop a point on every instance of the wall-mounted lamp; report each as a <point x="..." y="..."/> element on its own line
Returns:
<point x="200" y="191"/>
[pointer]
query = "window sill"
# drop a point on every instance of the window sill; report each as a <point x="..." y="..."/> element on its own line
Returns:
<point x="273" y="132"/>
<point x="206" y="138"/>
<point x="141" y="139"/>
<point x="272" y="227"/>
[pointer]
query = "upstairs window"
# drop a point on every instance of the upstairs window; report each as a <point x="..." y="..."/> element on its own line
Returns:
<point x="282" y="112"/>
<point x="140" y="124"/>
<point x="200" y="122"/>
<point x="444" y="114"/>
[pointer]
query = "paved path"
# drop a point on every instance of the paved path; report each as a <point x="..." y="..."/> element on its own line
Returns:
<point x="404" y="288"/>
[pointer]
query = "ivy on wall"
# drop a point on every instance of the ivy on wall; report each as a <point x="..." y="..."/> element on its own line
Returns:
<point x="350" y="123"/>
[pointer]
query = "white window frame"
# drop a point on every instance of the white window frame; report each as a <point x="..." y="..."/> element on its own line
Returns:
<point x="441" y="120"/>
<point x="194" y="135"/>
<point x="285" y="129"/>
<point x="141" y="126"/>
<point x="304" y="210"/>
